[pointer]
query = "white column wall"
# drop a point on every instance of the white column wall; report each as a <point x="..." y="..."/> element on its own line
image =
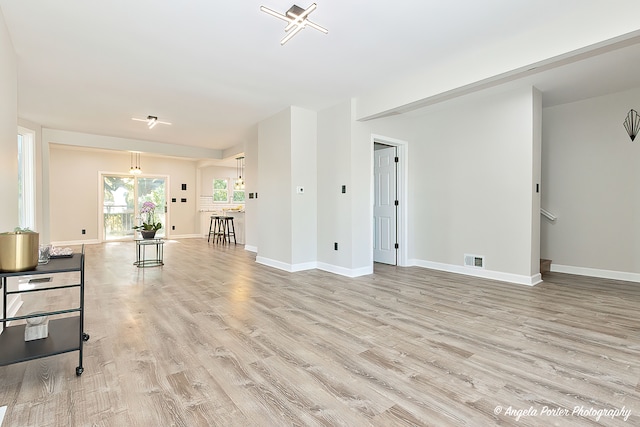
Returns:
<point x="8" y="131"/>
<point x="304" y="173"/>
<point x="8" y="141"/>
<point x="275" y="198"/>
<point x="252" y="185"/>
<point x="471" y="175"/>
<point x="334" y="170"/>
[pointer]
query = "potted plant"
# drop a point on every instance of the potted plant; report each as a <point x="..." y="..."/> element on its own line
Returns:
<point x="19" y="250"/>
<point x="149" y="225"/>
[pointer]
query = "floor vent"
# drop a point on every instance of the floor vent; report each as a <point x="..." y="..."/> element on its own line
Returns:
<point x="476" y="261"/>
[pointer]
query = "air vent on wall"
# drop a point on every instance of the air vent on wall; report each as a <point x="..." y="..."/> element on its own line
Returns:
<point x="476" y="261"/>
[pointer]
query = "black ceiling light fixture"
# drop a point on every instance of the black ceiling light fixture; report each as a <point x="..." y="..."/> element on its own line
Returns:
<point x="297" y="20"/>
<point x="151" y="121"/>
<point x="632" y="124"/>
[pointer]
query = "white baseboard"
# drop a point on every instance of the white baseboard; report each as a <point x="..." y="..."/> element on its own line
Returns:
<point x="251" y="248"/>
<point x="76" y="242"/>
<point x="596" y="272"/>
<point x="2" y="412"/>
<point x="291" y="268"/>
<point x="185" y="236"/>
<point x="480" y="272"/>
<point x="343" y="271"/>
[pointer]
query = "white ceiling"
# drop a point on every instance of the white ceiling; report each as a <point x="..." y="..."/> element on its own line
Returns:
<point x="215" y="69"/>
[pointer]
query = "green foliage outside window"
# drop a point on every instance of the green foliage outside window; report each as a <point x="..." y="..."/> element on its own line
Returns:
<point x="238" y="196"/>
<point x="220" y="191"/>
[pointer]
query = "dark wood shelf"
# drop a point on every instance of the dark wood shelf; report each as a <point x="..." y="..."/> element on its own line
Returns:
<point x="64" y="336"/>
<point x="55" y="265"/>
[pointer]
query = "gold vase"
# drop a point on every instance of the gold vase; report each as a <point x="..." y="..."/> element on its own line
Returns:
<point x="19" y="251"/>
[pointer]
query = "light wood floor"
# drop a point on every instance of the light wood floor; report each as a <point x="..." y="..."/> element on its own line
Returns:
<point x="214" y="339"/>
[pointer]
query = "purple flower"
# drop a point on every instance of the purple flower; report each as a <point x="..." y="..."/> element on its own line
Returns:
<point x="147" y="207"/>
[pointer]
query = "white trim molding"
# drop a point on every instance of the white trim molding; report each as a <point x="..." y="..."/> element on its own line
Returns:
<point x="596" y="272"/>
<point x="342" y="271"/>
<point x="292" y="268"/>
<point x="477" y="272"/>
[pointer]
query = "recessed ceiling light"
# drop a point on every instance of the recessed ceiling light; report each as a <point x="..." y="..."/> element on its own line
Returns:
<point x="297" y="19"/>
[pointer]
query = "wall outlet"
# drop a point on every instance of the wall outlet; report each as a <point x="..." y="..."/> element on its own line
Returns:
<point x="300" y="190"/>
<point x="173" y="227"/>
<point x="84" y="231"/>
<point x="335" y="246"/>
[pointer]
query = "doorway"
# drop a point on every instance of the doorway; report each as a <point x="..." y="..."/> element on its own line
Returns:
<point x="122" y="197"/>
<point x="385" y="208"/>
<point x="389" y="197"/>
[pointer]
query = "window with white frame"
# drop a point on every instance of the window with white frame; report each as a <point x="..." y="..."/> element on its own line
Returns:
<point x="225" y="191"/>
<point x="221" y="190"/>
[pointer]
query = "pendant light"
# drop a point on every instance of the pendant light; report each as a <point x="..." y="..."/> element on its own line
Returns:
<point x="239" y="185"/>
<point x="135" y="170"/>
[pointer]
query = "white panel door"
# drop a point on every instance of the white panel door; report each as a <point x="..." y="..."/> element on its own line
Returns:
<point x="384" y="209"/>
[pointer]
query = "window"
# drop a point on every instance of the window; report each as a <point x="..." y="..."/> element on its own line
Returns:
<point x="220" y="190"/>
<point x="26" y="179"/>
<point x="238" y="196"/>
<point x="224" y="191"/>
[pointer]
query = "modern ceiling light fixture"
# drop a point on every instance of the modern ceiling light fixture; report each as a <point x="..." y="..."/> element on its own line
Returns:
<point x="297" y="19"/>
<point x="239" y="185"/>
<point x="632" y="124"/>
<point x="151" y="121"/>
<point x="135" y="170"/>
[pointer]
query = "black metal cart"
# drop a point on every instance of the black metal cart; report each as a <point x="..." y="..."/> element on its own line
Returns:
<point x="66" y="334"/>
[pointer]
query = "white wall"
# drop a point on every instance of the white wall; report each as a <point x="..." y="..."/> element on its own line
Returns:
<point x="252" y="185"/>
<point x="590" y="181"/>
<point x="304" y="173"/>
<point x="287" y="222"/>
<point x="74" y="190"/>
<point x="345" y="157"/>
<point x="8" y="131"/>
<point x="472" y="180"/>
<point x="274" y="175"/>
<point x="8" y="139"/>
<point x="209" y="173"/>
<point x="334" y="170"/>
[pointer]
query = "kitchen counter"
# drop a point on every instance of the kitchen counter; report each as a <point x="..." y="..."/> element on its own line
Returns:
<point x="238" y="222"/>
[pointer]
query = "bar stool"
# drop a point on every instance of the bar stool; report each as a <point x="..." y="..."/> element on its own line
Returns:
<point x="216" y="228"/>
<point x="230" y="229"/>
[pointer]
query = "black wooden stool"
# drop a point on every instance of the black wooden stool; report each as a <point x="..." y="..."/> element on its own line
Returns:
<point x="230" y="229"/>
<point x="217" y="228"/>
